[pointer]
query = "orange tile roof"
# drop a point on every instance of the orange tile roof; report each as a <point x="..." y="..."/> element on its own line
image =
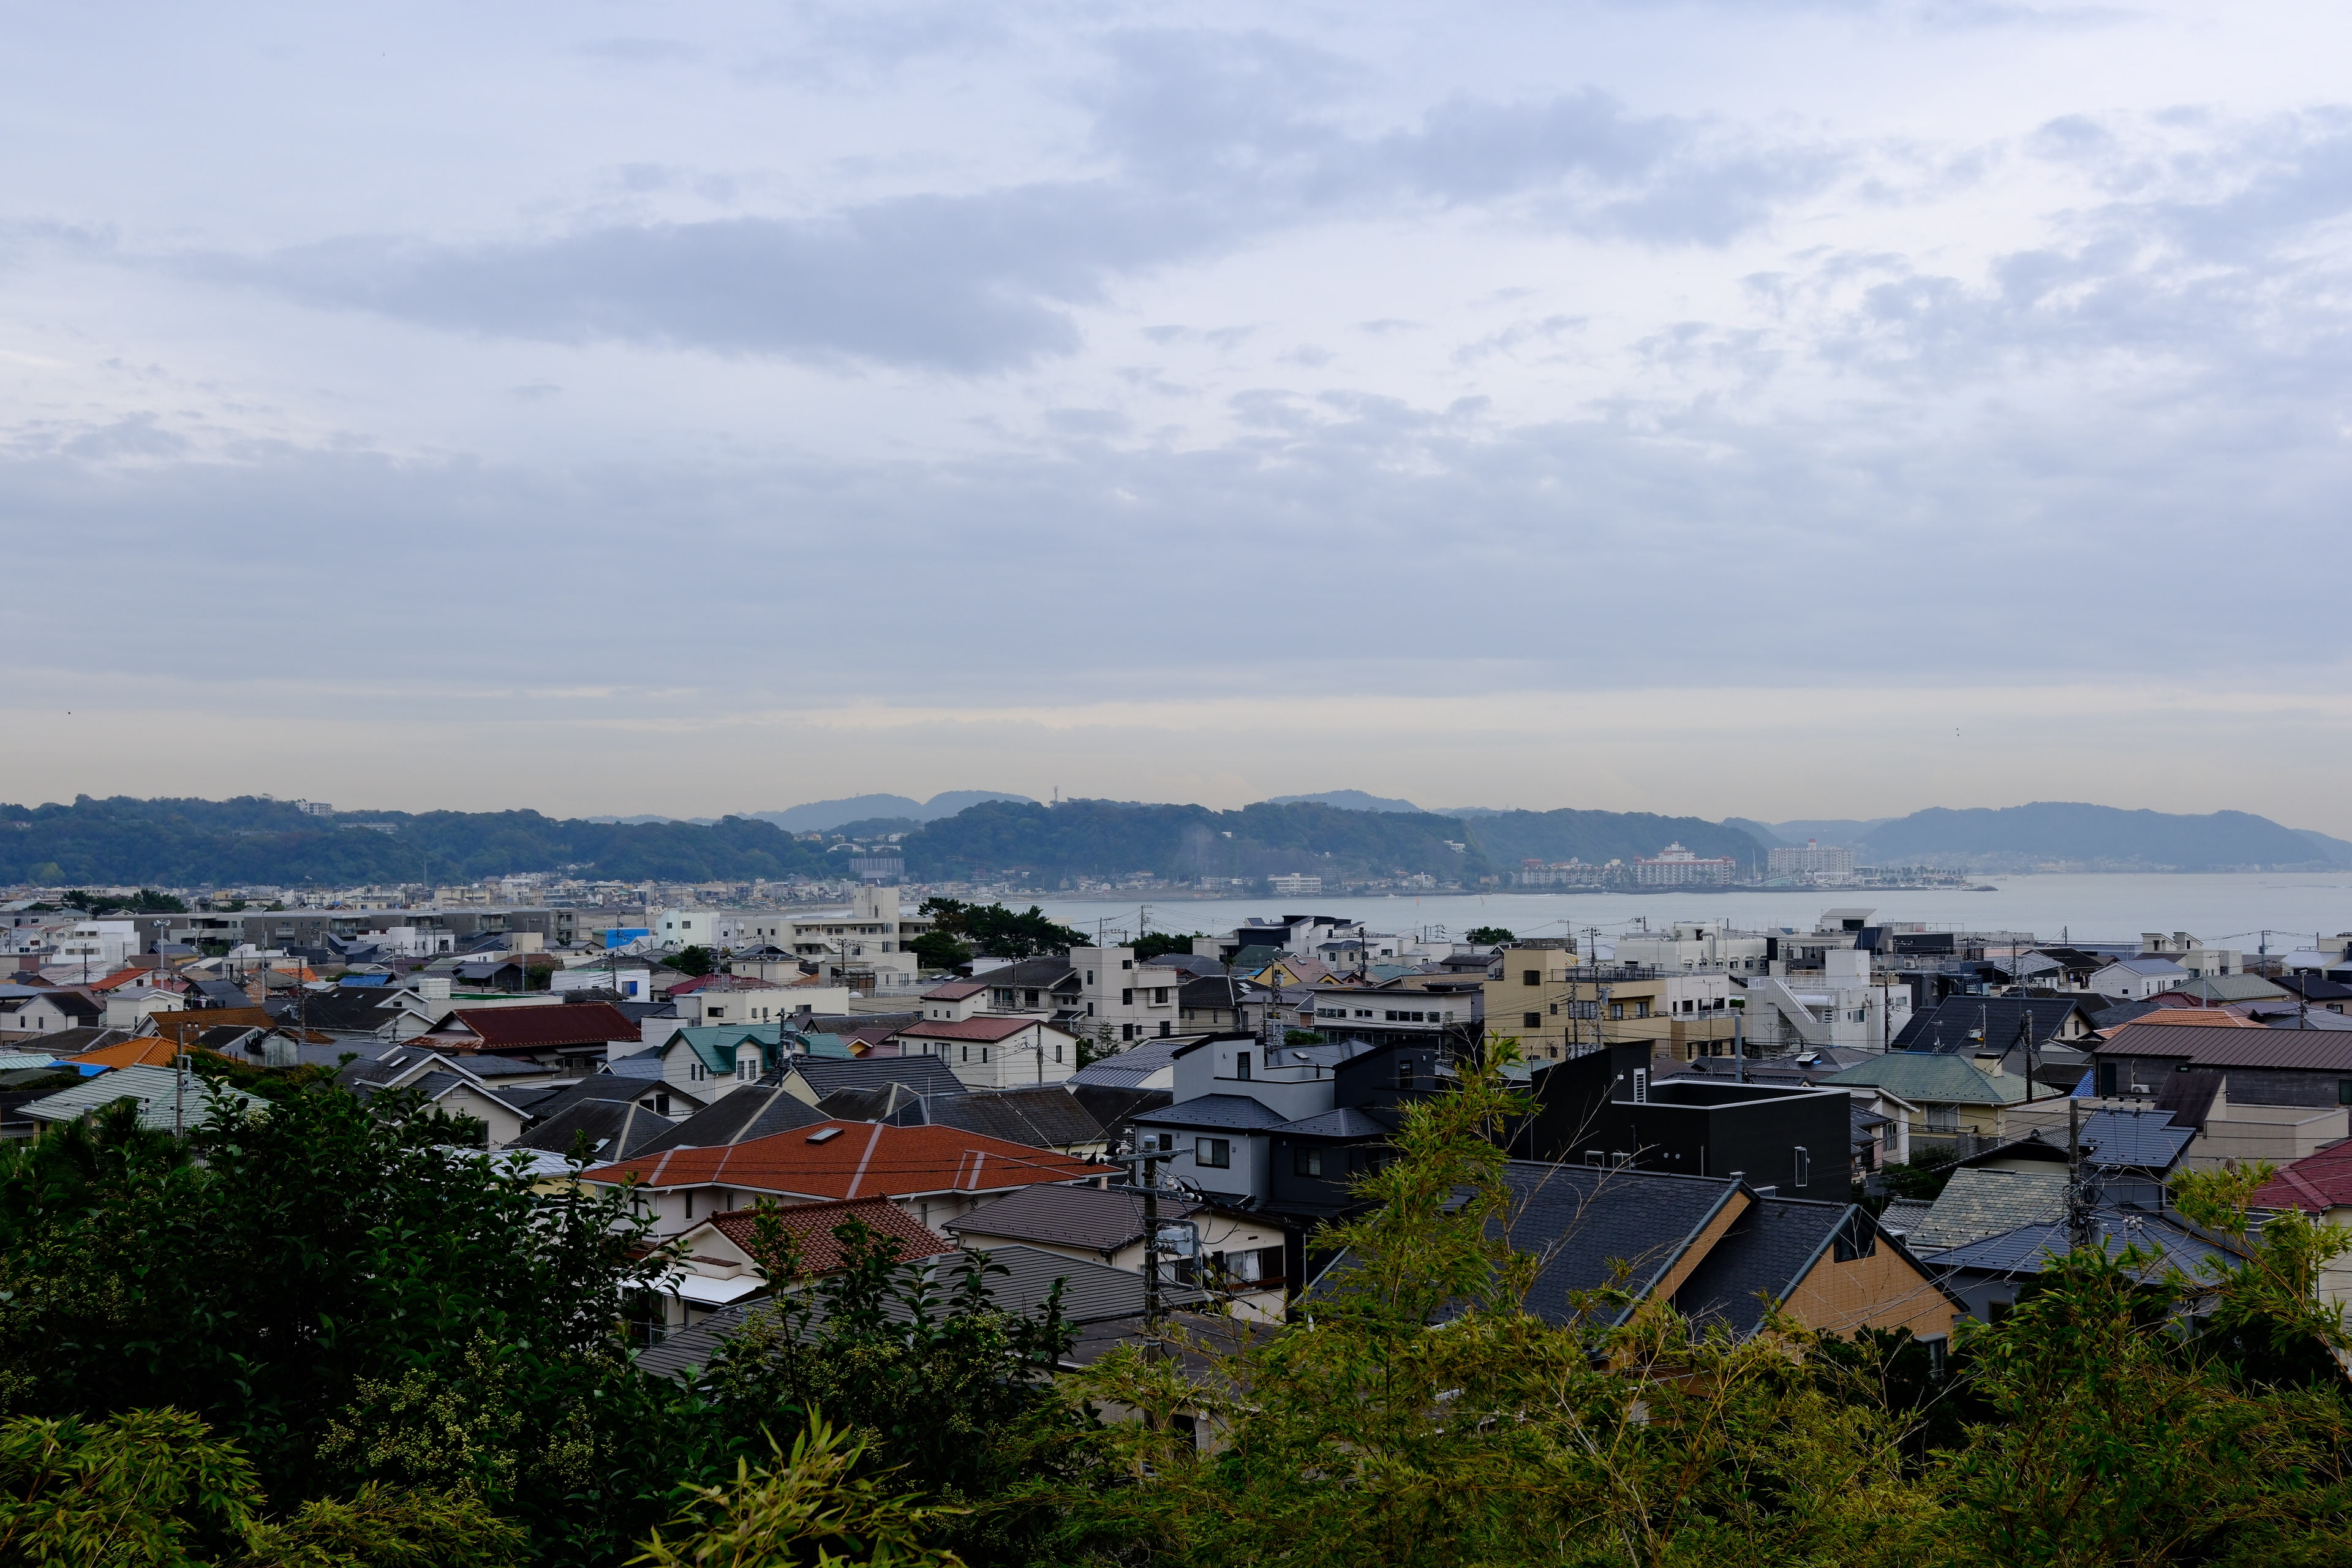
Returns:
<point x="2315" y="1182"/>
<point x="148" y="1051"/>
<point x="839" y="1160"/>
<point x="2209" y="1018"/>
<point x="811" y="1226"/>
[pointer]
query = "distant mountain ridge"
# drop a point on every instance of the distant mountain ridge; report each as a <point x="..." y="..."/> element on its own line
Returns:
<point x="824" y="816"/>
<point x="2076" y="832"/>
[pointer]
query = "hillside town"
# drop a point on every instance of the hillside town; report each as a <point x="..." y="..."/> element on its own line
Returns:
<point x="1940" y="1103"/>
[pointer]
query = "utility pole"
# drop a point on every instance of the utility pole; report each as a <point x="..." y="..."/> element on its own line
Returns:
<point x="2078" y="1205"/>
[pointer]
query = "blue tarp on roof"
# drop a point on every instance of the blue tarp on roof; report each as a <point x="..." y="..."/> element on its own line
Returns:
<point x="365" y="980"/>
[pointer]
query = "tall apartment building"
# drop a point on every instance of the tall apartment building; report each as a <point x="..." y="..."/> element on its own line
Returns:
<point x="1812" y="859"/>
<point x="1675" y="866"/>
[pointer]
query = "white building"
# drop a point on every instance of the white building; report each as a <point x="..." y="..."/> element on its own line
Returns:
<point x="1821" y="862"/>
<point x="1297" y="884"/>
<point x="1844" y="1005"/>
<point x="994" y="1052"/>
<point x="101" y="946"/>
<point x="1675" y="866"/>
<point x="2137" y="979"/>
<point x="1697" y="947"/>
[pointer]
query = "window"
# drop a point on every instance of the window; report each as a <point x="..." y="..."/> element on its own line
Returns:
<point x="1126" y="1031"/>
<point x="1242" y="1065"/>
<point x="1057" y="1050"/>
<point x="1531" y="977"/>
<point x="2344" y="1091"/>
<point x="1800" y="1167"/>
<point x="2107" y="1081"/>
<point x="1641" y="1007"/>
<point x="1307" y="1162"/>
<point x="1159" y="995"/>
<point x="1212" y="1153"/>
<point x="1531" y="1020"/>
<point x="1126" y="997"/>
<point x="1126" y="964"/>
<point x="1616" y="1009"/>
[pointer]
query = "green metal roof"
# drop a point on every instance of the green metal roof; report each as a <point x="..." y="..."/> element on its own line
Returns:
<point x="1929" y="1077"/>
<point x="155" y="1089"/>
<point x="715" y="1045"/>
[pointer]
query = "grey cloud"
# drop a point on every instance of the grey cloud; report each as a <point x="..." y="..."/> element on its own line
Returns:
<point x="1218" y="146"/>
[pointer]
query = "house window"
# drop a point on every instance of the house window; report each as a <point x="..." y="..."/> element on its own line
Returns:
<point x="1126" y="997"/>
<point x="661" y="1105"/>
<point x="1532" y="977"/>
<point x="1242" y="1065"/>
<point x="1307" y="1162"/>
<point x="1800" y="1167"/>
<point x="2107" y="1080"/>
<point x="1159" y="995"/>
<point x="1057" y="1050"/>
<point x="967" y="1053"/>
<point x="1616" y="1009"/>
<point x="1212" y="1153"/>
<point x="1641" y="1008"/>
<point x="2344" y="1091"/>
<point x="1531" y="1020"/>
<point x="1943" y="1119"/>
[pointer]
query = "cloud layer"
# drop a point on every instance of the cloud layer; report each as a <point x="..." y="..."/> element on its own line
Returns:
<point x="868" y="360"/>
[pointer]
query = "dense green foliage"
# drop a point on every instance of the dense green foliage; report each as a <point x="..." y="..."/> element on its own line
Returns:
<point x="1159" y="944"/>
<point x="1489" y="936"/>
<point x="145" y="901"/>
<point x="993" y="929"/>
<point x="332" y="1304"/>
<point x="198" y="843"/>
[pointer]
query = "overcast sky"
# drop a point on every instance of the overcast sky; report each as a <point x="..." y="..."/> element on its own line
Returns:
<point x="1766" y="408"/>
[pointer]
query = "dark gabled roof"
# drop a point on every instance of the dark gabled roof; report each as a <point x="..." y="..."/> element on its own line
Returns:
<point x="985" y="1026"/>
<point x="1094" y="1218"/>
<point x="755" y="1111"/>
<point x="924" y="1075"/>
<point x="1031" y="974"/>
<point x="1048" y="1117"/>
<point x="600" y="1087"/>
<point x="349" y="1010"/>
<point x="2133" y="1138"/>
<point x="613" y="1129"/>
<point x="1583" y="1221"/>
<point x="1091" y="1293"/>
<point x="1114" y="1109"/>
<point x="1768" y="1250"/>
<point x="1347" y="1121"/>
<point x="1130" y="1067"/>
<point x="70" y="1042"/>
<point x="1952" y="1027"/>
<point x="1237" y="1111"/>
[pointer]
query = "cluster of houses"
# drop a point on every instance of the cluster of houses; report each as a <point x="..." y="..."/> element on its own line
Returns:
<point x="1162" y="1131"/>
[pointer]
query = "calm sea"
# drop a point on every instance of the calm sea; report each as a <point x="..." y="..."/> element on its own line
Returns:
<point x="2232" y="909"/>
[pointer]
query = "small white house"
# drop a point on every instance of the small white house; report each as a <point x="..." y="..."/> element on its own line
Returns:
<point x="2137" y="979"/>
<point x="994" y="1051"/>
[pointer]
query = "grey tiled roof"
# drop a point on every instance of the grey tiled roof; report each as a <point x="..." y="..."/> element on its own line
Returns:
<point x="1345" y="1123"/>
<point x="1094" y="1218"/>
<point x="924" y="1075"/>
<point x="2028" y="1249"/>
<point x="1236" y="1111"/>
<point x="1904" y="1214"/>
<point x="1047" y="1117"/>
<point x="1977" y="1203"/>
<point x="162" y="1100"/>
<point x="755" y="1111"/>
<point x="1767" y="1249"/>
<point x="613" y="1128"/>
<point x="1583" y="1221"/>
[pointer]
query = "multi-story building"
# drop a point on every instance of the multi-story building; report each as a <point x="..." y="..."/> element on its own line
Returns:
<point x="1690" y="947"/>
<point x="1813" y="859"/>
<point x="1675" y="866"/>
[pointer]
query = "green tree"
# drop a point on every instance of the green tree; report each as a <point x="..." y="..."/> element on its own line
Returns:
<point x="154" y="1488"/>
<point x="819" y="1504"/>
<point x="998" y="931"/>
<point x="939" y="950"/>
<point x="693" y="960"/>
<point x="1488" y="936"/>
<point x="319" y="1286"/>
<point x="1159" y="943"/>
<point x="954" y="1399"/>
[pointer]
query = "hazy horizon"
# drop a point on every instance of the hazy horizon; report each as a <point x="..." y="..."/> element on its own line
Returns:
<point x="1782" y="409"/>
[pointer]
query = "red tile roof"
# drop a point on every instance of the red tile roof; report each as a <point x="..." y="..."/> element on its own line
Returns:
<point x="855" y="1159"/>
<point x="2315" y="1182"/>
<point x="523" y="1028"/>
<point x="811" y="1226"/>
<point x="981" y="1028"/>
